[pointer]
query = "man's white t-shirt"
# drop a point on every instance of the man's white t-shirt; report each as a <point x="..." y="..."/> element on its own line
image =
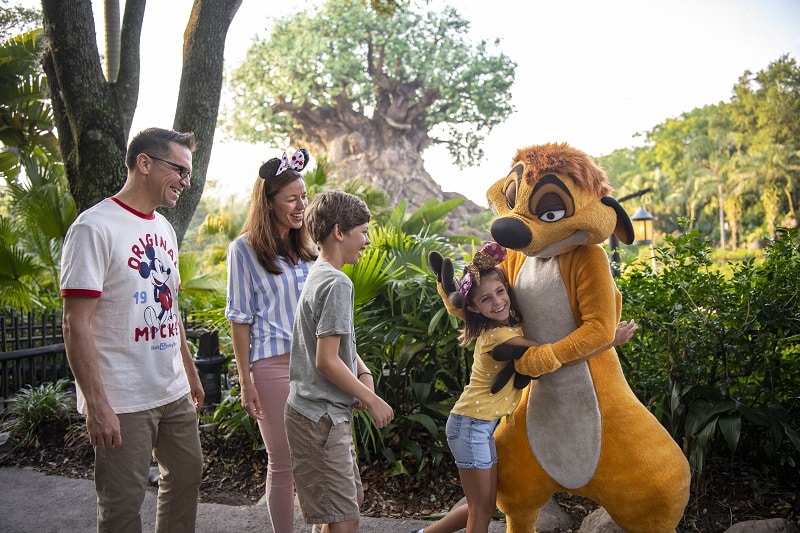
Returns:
<point x="129" y="261"/>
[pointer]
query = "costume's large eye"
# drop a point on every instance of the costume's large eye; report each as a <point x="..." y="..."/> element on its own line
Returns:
<point x="551" y="200"/>
<point x="510" y="193"/>
<point x="550" y="208"/>
<point x="511" y="187"/>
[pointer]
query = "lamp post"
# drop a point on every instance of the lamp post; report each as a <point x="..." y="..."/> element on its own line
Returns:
<point x="642" y="227"/>
<point x="643" y="232"/>
<point x="613" y="241"/>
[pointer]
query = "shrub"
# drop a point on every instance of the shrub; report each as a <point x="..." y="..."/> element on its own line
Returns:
<point x="716" y="356"/>
<point x="40" y="415"/>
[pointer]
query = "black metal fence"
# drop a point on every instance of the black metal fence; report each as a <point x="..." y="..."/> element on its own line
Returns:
<point x="32" y="353"/>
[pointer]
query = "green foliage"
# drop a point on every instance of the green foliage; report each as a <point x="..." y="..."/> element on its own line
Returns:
<point x="15" y="18"/>
<point x="406" y="337"/>
<point x="716" y="356"/>
<point x="230" y="421"/>
<point x="37" y="206"/>
<point x="40" y="414"/>
<point x="731" y="167"/>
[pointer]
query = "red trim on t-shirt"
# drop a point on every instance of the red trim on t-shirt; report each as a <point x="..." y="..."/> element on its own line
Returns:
<point x="85" y="293"/>
<point x="146" y="216"/>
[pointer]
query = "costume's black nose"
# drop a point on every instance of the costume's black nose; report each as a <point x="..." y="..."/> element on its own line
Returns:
<point x="511" y="233"/>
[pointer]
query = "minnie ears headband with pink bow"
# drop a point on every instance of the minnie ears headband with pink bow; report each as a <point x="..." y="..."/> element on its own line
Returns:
<point x="275" y="166"/>
<point x="491" y="255"/>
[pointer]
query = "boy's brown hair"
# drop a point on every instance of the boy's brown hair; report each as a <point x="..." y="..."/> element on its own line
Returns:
<point x="332" y="207"/>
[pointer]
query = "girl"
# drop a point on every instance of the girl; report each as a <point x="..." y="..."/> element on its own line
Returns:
<point x="490" y="319"/>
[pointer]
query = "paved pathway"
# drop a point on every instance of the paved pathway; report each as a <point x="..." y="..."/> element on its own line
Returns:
<point x="31" y="501"/>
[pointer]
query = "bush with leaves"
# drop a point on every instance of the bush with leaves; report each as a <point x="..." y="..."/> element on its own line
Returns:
<point x="717" y="357"/>
<point x="406" y="337"/>
<point x="41" y="415"/>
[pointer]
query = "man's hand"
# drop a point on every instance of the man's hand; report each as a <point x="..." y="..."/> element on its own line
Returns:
<point x="102" y="425"/>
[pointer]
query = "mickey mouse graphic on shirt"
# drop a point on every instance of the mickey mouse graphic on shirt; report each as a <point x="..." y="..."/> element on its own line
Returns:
<point x="158" y="273"/>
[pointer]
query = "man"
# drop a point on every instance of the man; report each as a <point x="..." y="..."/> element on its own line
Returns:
<point x="125" y="341"/>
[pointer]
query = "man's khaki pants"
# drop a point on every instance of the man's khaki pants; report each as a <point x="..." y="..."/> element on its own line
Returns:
<point x="169" y="434"/>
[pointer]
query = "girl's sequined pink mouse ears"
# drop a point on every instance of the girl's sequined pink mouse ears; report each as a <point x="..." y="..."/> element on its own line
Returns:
<point x="491" y="255"/>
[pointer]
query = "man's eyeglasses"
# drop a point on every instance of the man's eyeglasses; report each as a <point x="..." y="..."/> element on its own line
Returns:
<point x="184" y="172"/>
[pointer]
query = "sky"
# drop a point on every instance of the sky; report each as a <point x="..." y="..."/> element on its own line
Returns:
<point x="593" y="74"/>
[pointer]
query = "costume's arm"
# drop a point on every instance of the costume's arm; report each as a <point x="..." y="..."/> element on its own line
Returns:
<point x="446" y="284"/>
<point x="595" y="301"/>
<point x="510" y="350"/>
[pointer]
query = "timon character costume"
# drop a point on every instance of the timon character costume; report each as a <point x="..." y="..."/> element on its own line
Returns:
<point x="579" y="428"/>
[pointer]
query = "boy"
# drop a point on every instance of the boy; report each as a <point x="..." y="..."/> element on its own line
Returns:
<point x="327" y="377"/>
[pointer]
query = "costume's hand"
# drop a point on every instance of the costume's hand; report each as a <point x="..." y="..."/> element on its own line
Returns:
<point x="502" y="378"/>
<point x="538" y="360"/>
<point x="507" y="352"/>
<point x="446" y="283"/>
<point x="521" y="380"/>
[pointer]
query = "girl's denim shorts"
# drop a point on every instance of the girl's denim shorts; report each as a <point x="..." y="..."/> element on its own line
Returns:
<point x="471" y="441"/>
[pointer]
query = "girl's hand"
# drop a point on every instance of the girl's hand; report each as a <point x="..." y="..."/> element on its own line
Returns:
<point x="624" y="332"/>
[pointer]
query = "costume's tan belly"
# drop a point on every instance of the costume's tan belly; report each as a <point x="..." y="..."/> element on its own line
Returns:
<point x="562" y="406"/>
<point x="581" y="428"/>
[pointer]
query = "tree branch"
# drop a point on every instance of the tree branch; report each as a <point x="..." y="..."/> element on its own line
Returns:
<point x="127" y="85"/>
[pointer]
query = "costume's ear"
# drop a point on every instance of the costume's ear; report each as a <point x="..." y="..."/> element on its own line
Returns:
<point x="496" y="198"/>
<point x="624" y="228"/>
<point x="269" y="169"/>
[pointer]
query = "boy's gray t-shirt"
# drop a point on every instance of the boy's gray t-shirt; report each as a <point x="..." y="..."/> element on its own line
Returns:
<point x="325" y="308"/>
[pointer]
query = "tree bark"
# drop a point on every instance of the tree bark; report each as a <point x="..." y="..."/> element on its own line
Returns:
<point x="87" y="110"/>
<point x="93" y="116"/>
<point x="198" y="98"/>
<point x="112" y="35"/>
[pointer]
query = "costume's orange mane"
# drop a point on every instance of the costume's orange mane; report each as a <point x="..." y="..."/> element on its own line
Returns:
<point x="563" y="159"/>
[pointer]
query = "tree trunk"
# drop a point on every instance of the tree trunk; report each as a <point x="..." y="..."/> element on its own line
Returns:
<point x="88" y="111"/>
<point x="383" y="151"/>
<point x="198" y="98"/>
<point x="93" y="116"/>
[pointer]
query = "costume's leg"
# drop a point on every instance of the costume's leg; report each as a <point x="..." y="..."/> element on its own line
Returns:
<point x="180" y="460"/>
<point x="643" y="478"/>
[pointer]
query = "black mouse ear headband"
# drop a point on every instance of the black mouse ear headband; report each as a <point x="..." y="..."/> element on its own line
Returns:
<point x="275" y="166"/>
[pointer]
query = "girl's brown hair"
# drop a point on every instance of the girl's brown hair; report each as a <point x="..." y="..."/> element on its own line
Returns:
<point x="476" y="323"/>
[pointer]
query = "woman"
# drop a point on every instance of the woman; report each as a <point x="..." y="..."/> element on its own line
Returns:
<point x="267" y="267"/>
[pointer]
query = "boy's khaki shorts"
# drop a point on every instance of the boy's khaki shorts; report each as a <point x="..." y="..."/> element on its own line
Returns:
<point x="324" y="467"/>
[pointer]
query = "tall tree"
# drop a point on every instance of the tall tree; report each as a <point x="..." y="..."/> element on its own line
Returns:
<point x="373" y="91"/>
<point x="766" y="112"/>
<point x="93" y="115"/>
